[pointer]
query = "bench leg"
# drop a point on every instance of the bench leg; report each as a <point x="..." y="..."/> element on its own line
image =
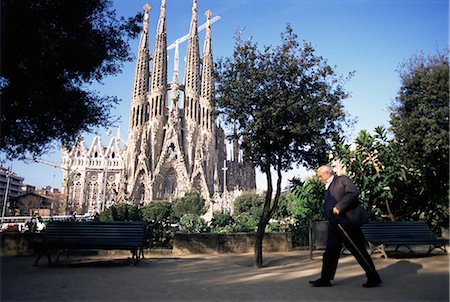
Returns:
<point x="134" y="257"/>
<point x="431" y="248"/>
<point x="141" y="251"/>
<point x="36" y="262"/>
<point x="59" y="253"/>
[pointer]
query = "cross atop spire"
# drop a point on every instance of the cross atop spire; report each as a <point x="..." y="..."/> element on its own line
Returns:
<point x="194" y="7"/>
<point x="208" y="15"/>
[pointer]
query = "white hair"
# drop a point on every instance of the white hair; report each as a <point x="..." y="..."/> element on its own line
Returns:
<point x="325" y="168"/>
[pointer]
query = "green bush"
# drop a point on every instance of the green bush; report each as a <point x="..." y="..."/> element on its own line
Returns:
<point x="306" y="207"/>
<point x="221" y="219"/>
<point x="158" y="216"/>
<point x="191" y="203"/>
<point x="191" y="223"/>
<point x="249" y="202"/>
<point x="245" y="222"/>
<point x="157" y="211"/>
<point x="121" y="212"/>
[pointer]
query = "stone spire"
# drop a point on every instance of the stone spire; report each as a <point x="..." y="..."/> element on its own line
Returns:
<point x="139" y="105"/>
<point x="141" y="74"/>
<point x="158" y="86"/>
<point x="192" y="69"/>
<point x="207" y="84"/>
<point x="191" y="103"/>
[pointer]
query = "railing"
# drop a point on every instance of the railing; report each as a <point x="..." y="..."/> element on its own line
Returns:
<point x="21" y="219"/>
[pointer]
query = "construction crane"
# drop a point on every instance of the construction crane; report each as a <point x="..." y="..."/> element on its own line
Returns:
<point x="181" y="40"/>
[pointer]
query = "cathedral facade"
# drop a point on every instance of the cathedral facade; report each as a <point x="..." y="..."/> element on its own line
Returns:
<point x="174" y="144"/>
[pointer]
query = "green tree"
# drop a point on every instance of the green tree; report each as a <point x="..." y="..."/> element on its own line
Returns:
<point x="286" y="104"/>
<point x="191" y="203"/>
<point x="157" y="211"/>
<point x="385" y="183"/>
<point x="51" y="51"/>
<point x="249" y="202"/>
<point x="420" y="122"/>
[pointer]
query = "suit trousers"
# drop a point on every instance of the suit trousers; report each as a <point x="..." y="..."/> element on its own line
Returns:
<point x="356" y="246"/>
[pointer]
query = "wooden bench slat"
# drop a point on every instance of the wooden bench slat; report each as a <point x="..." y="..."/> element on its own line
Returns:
<point x="93" y="235"/>
<point x="401" y="233"/>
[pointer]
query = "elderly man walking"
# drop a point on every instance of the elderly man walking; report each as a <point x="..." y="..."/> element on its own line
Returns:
<point x="345" y="216"/>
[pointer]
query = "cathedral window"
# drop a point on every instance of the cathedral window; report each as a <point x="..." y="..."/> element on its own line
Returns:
<point x="203" y="117"/>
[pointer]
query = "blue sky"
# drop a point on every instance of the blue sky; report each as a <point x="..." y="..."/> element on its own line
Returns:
<point x="369" y="37"/>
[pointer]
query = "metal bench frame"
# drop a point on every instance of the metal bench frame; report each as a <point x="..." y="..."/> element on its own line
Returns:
<point x="379" y="235"/>
<point x="66" y="235"/>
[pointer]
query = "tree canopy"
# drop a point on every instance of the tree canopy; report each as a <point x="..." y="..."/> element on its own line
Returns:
<point x="191" y="203"/>
<point x="51" y="51"/>
<point x="420" y="123"/>
<point x="286" y="105"/>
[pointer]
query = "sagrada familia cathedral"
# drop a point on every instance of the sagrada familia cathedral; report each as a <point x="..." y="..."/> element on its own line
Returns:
<point x="174" y="143"/>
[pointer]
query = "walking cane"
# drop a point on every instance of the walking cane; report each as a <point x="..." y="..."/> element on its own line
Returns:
<point x="354" y="245"/>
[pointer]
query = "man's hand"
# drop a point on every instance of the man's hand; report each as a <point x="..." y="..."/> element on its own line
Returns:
<point x="336" y="211"/>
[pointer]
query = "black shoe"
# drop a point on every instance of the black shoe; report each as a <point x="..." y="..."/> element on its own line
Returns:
<point x="320" y="283"/>
<point x="372" y="283"/>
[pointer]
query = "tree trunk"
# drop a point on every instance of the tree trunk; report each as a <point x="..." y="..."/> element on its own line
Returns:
<point x="259" y="242"/>
<point x="264" y="220"/>
<point x="267" y="214"/>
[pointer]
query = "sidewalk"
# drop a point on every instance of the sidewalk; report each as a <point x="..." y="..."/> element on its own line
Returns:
<point x="225" y="277"/>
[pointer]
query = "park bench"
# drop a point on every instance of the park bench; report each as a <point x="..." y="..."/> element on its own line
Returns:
<point x="66" y="236"/>
<point x="400" y="233"/>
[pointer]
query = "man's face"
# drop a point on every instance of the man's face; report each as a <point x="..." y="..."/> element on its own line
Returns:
<point x="323" y="176"/>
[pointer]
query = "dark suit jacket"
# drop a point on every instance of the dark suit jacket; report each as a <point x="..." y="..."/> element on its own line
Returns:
<point x="346" y="195"/>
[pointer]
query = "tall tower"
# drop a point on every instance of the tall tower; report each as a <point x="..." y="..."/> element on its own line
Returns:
<point x="139" y="107"/>
<point x="207" y="138"/>
<point x="191" y="90"/>
<point x="172" y="150"/>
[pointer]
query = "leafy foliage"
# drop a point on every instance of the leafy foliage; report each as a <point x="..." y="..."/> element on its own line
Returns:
<point x="249" y="202"/>
<point x="375" y="166"/>
<point x="420" y="122"/>
<point x="245" y="222"/>
<point x="157" y="211"/>
<point x="191" y="223"/>
<point x="121" y="212"/>
<point x="51" y="51"/>
<point x="221" y="219"/>
<point x="306" y="207"/>
<point x="191" y="203"/>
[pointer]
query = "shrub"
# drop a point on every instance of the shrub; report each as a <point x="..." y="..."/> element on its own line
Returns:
<point x="191" y="203"/>
<point x="191" y="223"/>
<point x="245" y="222"/>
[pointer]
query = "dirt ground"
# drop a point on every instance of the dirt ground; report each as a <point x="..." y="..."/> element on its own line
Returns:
<point x="225" y="277"/>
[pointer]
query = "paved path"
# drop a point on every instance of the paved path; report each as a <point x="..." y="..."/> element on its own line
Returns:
<point x="226" y="277"/>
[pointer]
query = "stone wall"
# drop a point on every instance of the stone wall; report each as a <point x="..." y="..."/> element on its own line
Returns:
<point x="17" y="244"/>
<point x="21" y="244"/>
<point x="212" y="243"/>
